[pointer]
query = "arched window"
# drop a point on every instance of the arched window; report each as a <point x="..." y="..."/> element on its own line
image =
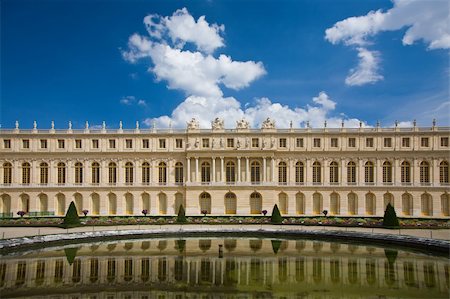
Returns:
<point x="424" y="172"/>
<point x="205" y="203"/>
<point x="43" y="204"/>
<point x="407" y="204"/>
<point x="445" y="204"/>
<point x="317" y="203"/>
<point x="60" y="204"/>
<point x="162" y="173"/>
<point x="369" y="172"/>
<point x="283" y="203"/>
<point x="387" y="172"/>
<point x="405" y="170"/>
<point x="145" y="197"/>
<point x="230" y="203"/>
<point x="179" y="201"/>
<point x="427" y="204"/>
<point x="335" y="204"/>
<point x="95" y="173"/>
<point x="43" y="173"/>
<point x="255" y="203"/>
<point x="179" y="173"/>
<point x="300" y="203"/>
<point x="230" y="172"/>
<point x="162" y="203"/>
<point x="78" y="202"/>
<point x="112" y="173"/>
<point x="352" y="203"/>
<point x="129" y="204"/>
<point x="7" y="173"/>
<point x="388" y="198"/>
<point x="299" y="173"/>
<point x="351" y="172"/>
<point x="61" y="173"/>
<point x="112" y="204"/>
<point x="129" y="173"/>
<point x="317" y="173"/>
<point x="370" y="204"/>
<point x="145" y="173"/>
<point x="26" y="173"/>
<point x="255" y="172"/>
<point x="78" y="173"/>
<point x="206" y="172"/>
<point x="443" y="172"/>
<point x="282" y="173"/>
<point x="334" y="172"/>
<point x="95" y="204"/>
<point x="25" y="203"/>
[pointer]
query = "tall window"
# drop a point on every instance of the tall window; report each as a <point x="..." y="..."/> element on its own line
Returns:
<point x="317" y="173"/>
<point x="443" y="172"/>
<point x="282" y="173"/>
<point x="162" y="173"/>
<point x="44" y="173"/>
<point x="255" y="172"/>
<point x="387" y="172"/>
<point x="424" y="172"/>
<point x="299" y="173"/>
<point x="7" y="173"/>
<point x="230" y="172"/>
<point x="78" y="173"/>
<point x="178" y="173"/>
<point x="255" y="203"/>
<point x="95" y="173"/>
<point x="112" y="173"/>
<point x="334" y="172"/>
<point x="369" y="172"/>
<point x="129" y="173"/>
<point x="145" y="173"/>
<point x="205" y="203"/>
<point x="405" y="170"/>
<point x="61" y="173"/>
<point x="206" y="172"/>
<point x="26" y="173"/>
<point x="351" y="172"/>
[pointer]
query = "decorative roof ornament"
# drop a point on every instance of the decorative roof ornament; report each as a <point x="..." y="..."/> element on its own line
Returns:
<point x="53" y="125"/>
<point x="434" y="122"/>
<point x="103" y="125"/>
<point x="70" y="125"/>
<point x="34" y="125"/>
<point x="342" y="123"/>
<point x="290" y="124"/>
<point x="86" y="125"/>
<point x="17" y="125"/>
<point x="193" y="124"/>
<point x="378" y="123"/>
<point x="217" y="124"/>
<point x="307" y="124"/>
<point x="396" y="123"/>
<point x="415" y="123"/>
<point x="268" y="124"/>
<point x="242" y="124"/>
<point x="137" y="125"/>
<point x="325" y="124"/>
<point x="360" y="124"/>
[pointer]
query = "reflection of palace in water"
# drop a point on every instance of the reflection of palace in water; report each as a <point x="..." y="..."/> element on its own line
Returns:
<point x="254" y="268"/>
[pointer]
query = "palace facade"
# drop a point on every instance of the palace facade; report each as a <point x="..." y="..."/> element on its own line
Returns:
<point x="242" y="171"/>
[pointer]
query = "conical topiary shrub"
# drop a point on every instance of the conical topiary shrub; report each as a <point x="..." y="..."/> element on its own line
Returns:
<point x="276" y="244"/>
<point x="181" y="218"/>
<point x="276" y="216"/>
<point x="71" y="219"/>
<point x="390" y="219"/>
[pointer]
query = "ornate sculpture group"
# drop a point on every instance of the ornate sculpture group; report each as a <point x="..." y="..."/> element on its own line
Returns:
<point x="219" y="124"/>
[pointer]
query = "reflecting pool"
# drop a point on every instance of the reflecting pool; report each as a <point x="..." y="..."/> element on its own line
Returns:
<point x="223" y="268"/>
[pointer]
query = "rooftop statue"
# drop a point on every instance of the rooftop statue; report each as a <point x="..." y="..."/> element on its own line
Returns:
<point x="242" y="124"/>
<point x="217" y="124"/>
<point x="193" y="124"/>
<point x="268" y="124"/>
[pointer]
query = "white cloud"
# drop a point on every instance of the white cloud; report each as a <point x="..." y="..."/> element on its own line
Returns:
<point x="229" y="109"/>
<point x="142" y="103"/>
<point x="428" y="21"/>
<point x="367" y="69"/>
<point x="181" y="27"/>
<point x="128" y="100"/>
<point x="201" y="76"/>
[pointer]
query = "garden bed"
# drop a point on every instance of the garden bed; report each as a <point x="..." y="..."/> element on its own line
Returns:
<point x="223" y="220"/>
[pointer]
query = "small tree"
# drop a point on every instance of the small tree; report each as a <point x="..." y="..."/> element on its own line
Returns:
<point x="390" y="219"/>
<point x="264" y="212"/>
<point x="85" y="212"/>
<point x="181" y="217"/>
<point x="204" y="212"/>
<point x="276" y="216"/>
<point x="325" y="213"/>
<point x="21" y="213"/>
<point x="71" y="219"/>
<point x="145" y="212"/>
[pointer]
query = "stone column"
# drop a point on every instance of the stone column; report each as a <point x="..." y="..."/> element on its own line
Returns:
<point x="434" y="173"/>
<point x="360" y="172"/>
<point x="378" y="172"/>
<point x="308" y="172"/>
<point x="264" y="172"/>
<point x="290" y="172"/>
<point x="273" y="170"/>
<point x="396" y="173"/>
<point x="415" y="172"/>
<point x="196" y="169"/>
<point x="239" y="169"/>
<point x="247" y="169"/>
<point x="222" y="170"/>
<point x="213" y="169"/>
<point x="188" y="162"/>
<point x="138" y="172"/>
<point x="343" y="176"/>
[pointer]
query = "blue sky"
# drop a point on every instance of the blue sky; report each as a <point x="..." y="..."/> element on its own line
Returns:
<point x="74" y="60"/>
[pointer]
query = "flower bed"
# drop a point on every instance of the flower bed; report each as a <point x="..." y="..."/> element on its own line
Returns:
<point x="223" y="220"/>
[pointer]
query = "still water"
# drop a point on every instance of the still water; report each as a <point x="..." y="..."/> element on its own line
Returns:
<point x="223" y="268"/>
